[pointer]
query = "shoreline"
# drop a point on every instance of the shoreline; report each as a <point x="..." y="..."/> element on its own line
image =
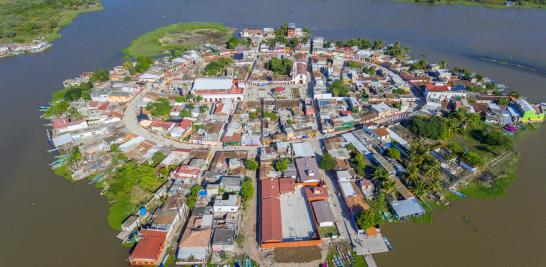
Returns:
<point x="144" y="88"/>
<point x="473" y="4"/>
<point x="44" y="42"/>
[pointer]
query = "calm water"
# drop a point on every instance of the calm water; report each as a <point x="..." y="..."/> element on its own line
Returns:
<point x="49" y="222"/>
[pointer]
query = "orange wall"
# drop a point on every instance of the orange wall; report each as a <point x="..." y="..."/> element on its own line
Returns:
<point x="306" y="243"/>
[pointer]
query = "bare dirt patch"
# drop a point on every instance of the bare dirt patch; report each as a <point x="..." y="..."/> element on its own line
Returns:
<point x="297" y="255"/>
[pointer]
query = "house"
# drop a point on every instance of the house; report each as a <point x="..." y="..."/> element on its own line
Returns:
<point x="303" y="149"/>
<point x="150" y="249"/>
<point x="130" y="224"/>
<point x="529" y="113"/>
<point x="323" y="213"/>
<point x="165" y="219"/>
<point x="271" y="220"/>
<point x="231" y="184"/>
<point x="217" y="89"/>
<point x="367" y="188"/>
<point x="62" y="125"/>
<point x="404" y="209"/>
<point x="286" y="185"/>
<point x="316" y="193"/>
<point x="440" y="92"/>
<point x="223" y="240"/>
<point x="194" y="245"/>
<point x="189" y="174"/>
<point x="308" y="171"/>
<point x="226" y="205"/>
<point x="270" y="188"/>
<point x="299" y="73"/>
<point x="381" y="134"/>
<point x="162" y="126"/>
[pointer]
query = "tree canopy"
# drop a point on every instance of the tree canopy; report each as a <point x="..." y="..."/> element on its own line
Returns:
<point x="281" y="164"/>
<point x="338" y="88"/>
<point x="328" y="162"/>
<point x="430" y="127"/>
<point x="251" y="164"/>
<point x="159" y="108"/>
<point x="280" y="66"/>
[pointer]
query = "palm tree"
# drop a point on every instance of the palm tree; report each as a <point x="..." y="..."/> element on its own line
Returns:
<point x="420" y="189"/>
<point x="433" y="170"/>
<point x="381" y="174"/>
<point x="412" y="173"/>
<point x="390" y="188"/>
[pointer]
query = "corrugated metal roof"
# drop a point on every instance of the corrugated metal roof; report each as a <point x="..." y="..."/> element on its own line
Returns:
<point x="271" y="220"/>
<point x="323" y="212"/>
<point x="212" y="84"/>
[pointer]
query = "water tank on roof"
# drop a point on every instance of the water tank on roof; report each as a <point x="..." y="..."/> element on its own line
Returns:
<point x="143" y="211"/>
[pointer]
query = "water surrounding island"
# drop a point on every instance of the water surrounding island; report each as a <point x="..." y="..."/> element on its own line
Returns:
<point x="47" y="221"/>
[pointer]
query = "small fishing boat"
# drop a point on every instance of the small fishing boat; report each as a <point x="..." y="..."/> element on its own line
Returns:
<point x="388" y="243"/>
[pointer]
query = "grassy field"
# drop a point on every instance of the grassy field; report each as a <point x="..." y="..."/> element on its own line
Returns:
<point x="22" y="21"/>
<point x="504" y="173"/>
<point x="484" y="3"/>
<point x="178" y="36"/>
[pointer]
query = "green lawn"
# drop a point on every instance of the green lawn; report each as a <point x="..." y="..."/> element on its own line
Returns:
<point x="178" y="36"/>
<point x="504" y="174"/>
<point x="328" y="231"/>
<point x="22" y="21"/>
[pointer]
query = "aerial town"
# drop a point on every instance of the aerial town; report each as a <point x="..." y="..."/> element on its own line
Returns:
<point x="283" y="141"/>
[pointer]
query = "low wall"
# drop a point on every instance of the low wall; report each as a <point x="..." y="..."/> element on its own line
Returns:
<point x="306" y="243"/>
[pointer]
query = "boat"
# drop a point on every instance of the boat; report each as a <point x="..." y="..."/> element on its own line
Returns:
<point x="388" y="243"/>
<point x="457" y="193"/>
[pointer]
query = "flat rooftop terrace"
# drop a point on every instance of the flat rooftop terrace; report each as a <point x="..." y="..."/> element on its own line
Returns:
<point x="297" y="222"/>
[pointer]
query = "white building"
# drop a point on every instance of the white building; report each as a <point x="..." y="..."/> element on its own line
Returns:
<point x="226" y="205"/>
<point x="216" y="89"/>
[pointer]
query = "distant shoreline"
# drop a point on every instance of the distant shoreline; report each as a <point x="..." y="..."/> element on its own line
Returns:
<point x="29" y="43"/>
<point x="501" y="5"/>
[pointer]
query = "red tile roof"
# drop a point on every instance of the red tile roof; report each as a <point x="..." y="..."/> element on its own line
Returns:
<point x="286" y="185"/>
<point x="185" y="124"/>
<point x="236" y="137"/>
<point x="436" y="88"/>
<point x="270" y="188"/>
<point x="271" y="220"/>
<point x="316" y="192"/>
<point x="150" y="246"/>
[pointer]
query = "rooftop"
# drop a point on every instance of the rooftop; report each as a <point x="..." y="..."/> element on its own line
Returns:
<point x="150" y="245"/>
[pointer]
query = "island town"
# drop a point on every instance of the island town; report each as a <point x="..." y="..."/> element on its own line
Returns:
<point x="275" y="142"/>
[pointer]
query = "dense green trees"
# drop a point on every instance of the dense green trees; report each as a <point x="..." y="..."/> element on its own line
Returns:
<point x="191" y="200"/>
<point x="217" y="67"/>
<point x="128" y="188"/>
<point x="281" y="164"/>
<point x="397" y="50"/>
<point x="378" y="44"/>
<point x="280" y="66"/>
<point x="392" y="153"/>
<point x="374" y="215"/>
<point x="247" y="190"/>
<point x="25" y="20"/>
<point x="250" y="164"/>
<point x="338" y="88"/>
<point x="430" y="127"/>
<point x="159" y="108"/>
<point x="232" y="42"/>
<point x="142" y="65"/>
<point x="359" y="164"/>
<point x="100" y="75"/>
<point x="328" y="162"/>
<point x="421" y="64"/>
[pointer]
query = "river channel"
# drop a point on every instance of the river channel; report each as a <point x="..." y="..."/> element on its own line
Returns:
<point x="46" y="221"/>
